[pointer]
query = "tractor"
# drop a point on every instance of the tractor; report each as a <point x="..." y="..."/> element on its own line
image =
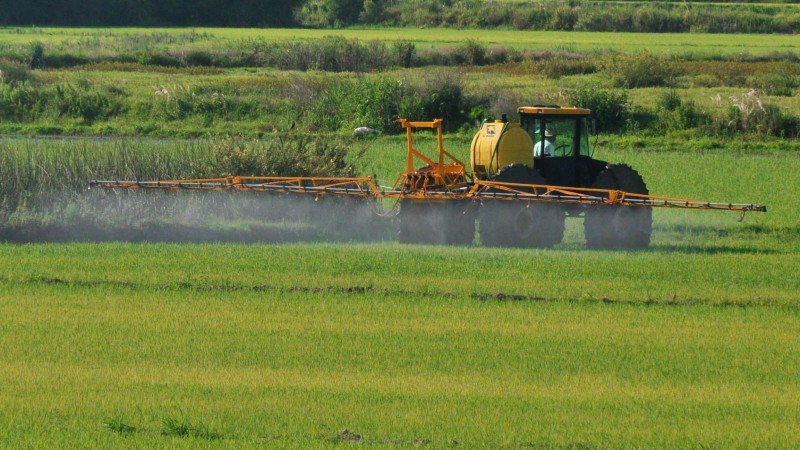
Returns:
<point x="524" y="180"/>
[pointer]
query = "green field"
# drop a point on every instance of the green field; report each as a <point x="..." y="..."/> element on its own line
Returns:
<point x="120" y="345"/>
<point x="699" y="44"/>
<point x="299" y="342"/>
<point x="690" y="343"/>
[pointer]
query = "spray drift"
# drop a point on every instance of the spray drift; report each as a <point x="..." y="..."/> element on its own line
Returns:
<point x="525" y="179"/>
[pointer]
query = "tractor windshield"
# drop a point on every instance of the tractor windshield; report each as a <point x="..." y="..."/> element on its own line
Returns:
<point x="558" y="136"/>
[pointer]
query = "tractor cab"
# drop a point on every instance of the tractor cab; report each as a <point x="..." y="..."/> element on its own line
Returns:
<point x="552" y="141"/>
<point x="561" y="151"/>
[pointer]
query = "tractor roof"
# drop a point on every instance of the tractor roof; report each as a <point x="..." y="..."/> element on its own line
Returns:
<point x="550" y="110"/>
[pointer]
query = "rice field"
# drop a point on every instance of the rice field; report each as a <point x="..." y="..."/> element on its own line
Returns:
<point x="316" y="346"/>
<point x="309" y="343"/>
<point x="678" y="44"/>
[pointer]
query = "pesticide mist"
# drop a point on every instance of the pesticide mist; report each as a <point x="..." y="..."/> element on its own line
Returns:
<point x="155" y="215"/>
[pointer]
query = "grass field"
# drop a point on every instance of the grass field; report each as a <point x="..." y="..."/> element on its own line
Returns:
<point x="674" y="44"/>
<point x="120" y="345"/>
<point x="691" y="343"/>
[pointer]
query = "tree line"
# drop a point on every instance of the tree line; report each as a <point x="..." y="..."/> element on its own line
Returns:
<point x="566" y="15"/>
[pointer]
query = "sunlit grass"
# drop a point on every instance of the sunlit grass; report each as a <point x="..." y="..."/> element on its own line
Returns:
<point x="194" y="367"/>
<point x="696" y="44"/>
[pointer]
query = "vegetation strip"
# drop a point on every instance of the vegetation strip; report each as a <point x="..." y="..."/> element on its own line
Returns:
<point x="371" y="290"/>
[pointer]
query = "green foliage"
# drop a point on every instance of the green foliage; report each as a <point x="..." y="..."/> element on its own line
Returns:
<point x="568" y="15"/>
<point x="782" y="81"/>
<point x="84" y="102"/>
<point x="21" y="101"/>
<point x="183" y="428"/>
<point x="118" y="425"/>
<point x="641" y="70"/>
<point x="371" y="102"/>
<point x="474" y="52"/>
<point x="13" y="72"/>
<point x="331" y="53"/>
<point x="35" y="57"/>
<point x="287" y="154"/>
<point x="557" y="66"/>
<point x="330" y="13"/>
<point x="378" y="102"/>
<point x="404" y="52"/>
<point x="748" y="114"/>
<point x="373" y="12"/>
<point x="674" y="114"/>
<point x="34" y="173"/>
<point x="609" y="106"/>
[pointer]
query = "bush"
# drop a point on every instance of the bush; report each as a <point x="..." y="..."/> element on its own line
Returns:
<point x="378" y="102"/>
<point x="782" y="82"/>
<point x="84" y="102"/>
<point x="13" y="73"/>
<point x="288" y="154"/>
<point x="609" y="106"/>
<point x="748" y="114"/>
<point x="673" y="114"/>
<point x="404" y="52"/>
<point x="36" y="56"/>
<point x="21" y="102"/>
<point x="209" y="102"/>
<point x="561" y="66"/>
<point x="371" y="102"/>
<point x="669" y="101"/>
<point x="474" y="52"/>
<point x="642" y="70"/>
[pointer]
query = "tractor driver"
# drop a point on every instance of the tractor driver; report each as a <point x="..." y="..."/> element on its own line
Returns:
<point x="549" y="144"/>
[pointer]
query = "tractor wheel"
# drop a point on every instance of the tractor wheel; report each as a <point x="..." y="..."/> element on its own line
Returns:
<point x="618" y="227"/>
<point x="436" y="223"/>
<point x="516" y="223"/>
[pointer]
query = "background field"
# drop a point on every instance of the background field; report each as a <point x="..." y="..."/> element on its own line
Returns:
<point x="700" y="44"/>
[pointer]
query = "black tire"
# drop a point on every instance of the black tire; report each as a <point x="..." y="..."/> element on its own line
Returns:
<point x="436" y="223"/>
<point x="517" y="223"/>
<point x="619" y="227"/>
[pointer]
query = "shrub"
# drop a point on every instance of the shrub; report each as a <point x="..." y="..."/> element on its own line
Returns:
<point x="747" y="113"/>
<point x="13" y="73"/>
<point x="209" y="102"/>
<point x="562" y="66"/>
<point x="474" y="52"/>
<point x="372" y="102"/>
<point x="288" y="154"/>
<point x="443" y="97"/>
<point x="642" y="70"/>
<point x="404" y="52"/>
<point x="609" y="106"/>
<point x="21" y="102"/>
<point x="782" y="82"/>
<point x="673" y="114"/>
<point x="84" y="102"/>
<point x="36" y="56"/>
<point x="669" y="101"/>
